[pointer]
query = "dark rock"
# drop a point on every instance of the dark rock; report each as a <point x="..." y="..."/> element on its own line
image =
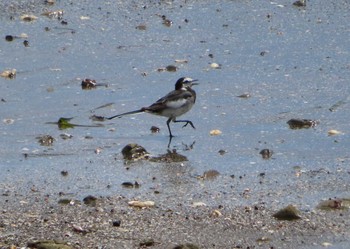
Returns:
<point x="88" y="84"/>
<point x="288" y="213"/>
<point x="301" y="123"/>
<point x="300" y="3"/>
<point x="147" y="243"/>
<point x="186" y="246"/>
<point x="90" y="200"/>
<point x="134" y="152"/>
<point x="266" y="153"/>
<point x="169" y="157"/>
<point x="64" y="172"/>
<point x="46" y="140"/>
<point x="117" y="223"/>
<point x="9" y="38"/>
<point x="131" y="185"/>
<point x="155" y="129"/>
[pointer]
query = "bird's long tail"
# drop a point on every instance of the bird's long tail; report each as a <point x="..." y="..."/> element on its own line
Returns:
<point x="126" y="113"/>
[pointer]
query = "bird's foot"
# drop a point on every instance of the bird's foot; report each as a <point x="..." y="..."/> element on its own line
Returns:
<point x="189" y="122"/>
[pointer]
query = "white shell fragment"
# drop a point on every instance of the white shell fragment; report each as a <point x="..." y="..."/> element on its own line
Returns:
<point x="215" y="65"/>
<point x="141" y="204"/>
<point x="333" y="132"/>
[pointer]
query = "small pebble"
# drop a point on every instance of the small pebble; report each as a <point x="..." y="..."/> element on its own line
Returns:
<point x="116" y="223"/>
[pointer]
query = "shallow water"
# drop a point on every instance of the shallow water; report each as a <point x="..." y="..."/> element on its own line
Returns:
<point x="292" y="61"/>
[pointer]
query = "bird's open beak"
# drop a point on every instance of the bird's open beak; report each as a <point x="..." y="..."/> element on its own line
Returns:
<point x="194" y="82"/>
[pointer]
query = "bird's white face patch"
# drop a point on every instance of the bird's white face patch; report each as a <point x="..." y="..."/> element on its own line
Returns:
<point x="176" y="103"/>
<point x="187" y="79"/>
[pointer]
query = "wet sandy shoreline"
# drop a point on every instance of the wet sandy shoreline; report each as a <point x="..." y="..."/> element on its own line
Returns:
<point x="111" y="223"/>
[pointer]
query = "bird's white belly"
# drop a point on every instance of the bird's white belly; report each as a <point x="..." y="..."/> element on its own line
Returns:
<point x="177" y="108"/>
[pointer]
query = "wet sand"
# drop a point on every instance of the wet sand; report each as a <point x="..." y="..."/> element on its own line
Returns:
<point x="112" y="223"/>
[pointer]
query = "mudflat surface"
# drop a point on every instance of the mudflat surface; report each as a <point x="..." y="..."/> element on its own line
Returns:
<point x="288" y="62"/>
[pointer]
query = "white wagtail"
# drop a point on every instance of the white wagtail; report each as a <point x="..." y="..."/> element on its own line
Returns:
<point x="172" y="105"/>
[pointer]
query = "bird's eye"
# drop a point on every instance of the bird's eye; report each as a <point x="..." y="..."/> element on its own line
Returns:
<point x="187" y="80"/>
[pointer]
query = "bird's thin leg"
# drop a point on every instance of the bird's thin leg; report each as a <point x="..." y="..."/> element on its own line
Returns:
<point x="169" y="143"/>
<point x="168" y="124"/>
<point x="185" y="121"/>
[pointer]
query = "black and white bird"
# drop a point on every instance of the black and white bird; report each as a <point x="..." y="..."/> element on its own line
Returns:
<point x="172" y="105"/>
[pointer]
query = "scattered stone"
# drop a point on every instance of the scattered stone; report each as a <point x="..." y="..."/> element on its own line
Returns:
<point x="97" y="118"/>
<point x="10" y="74"/>
<point x="263" y="240"/>
<point x="209" y="174"/>
<point x="216" y="213"/>
<point x="222" y="152"/>
<point x="181" y="61"/>
<point x="117" y="223"/>
<point x="171" y="68"/>
<point x="28" y="18"/>
<point x="266" y="153"/>
<point x="215" y="132"/>
<point x="50" y="2"/>
<point x="262" y="53"/>
<point x="198" y="204"/>
<point x="333" y="132"/>
<point x="84" y="18"/>
<point x="301" y="123"/>
<point x="186" y="246"/>
<point x="141" y="204"/>
<point x="131" y="185"/>
<point x="155" y="129"/>
<point x="300" y="3"/>
<point x="53" y="14"/>
<point x="46" y="140"/>
<point x="79" y="229"/>
<point x="142" y="27"/>
<point x="64" y="173"/>
<point x="134" y="152"/>
<point x="66" y="136"/>
<point x="8" y="121"/>
<point x="170" y="157"/>
<point x="215" y="65"/>
<point x="244" y="96"/>
<point x="288" y="213"/>
<point x="90" y="200"/>
<point x="65" y="201"/>
<point x="166" y="22"/>
<point x="147" y="243"/>
<point x="9" y="38"/>
<point x="26" y="43"/>
<point x="49" y="244"/>
<point x="88" y="84"/>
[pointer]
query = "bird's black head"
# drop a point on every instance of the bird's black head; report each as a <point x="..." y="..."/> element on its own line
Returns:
<point x="184" y="82"/>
